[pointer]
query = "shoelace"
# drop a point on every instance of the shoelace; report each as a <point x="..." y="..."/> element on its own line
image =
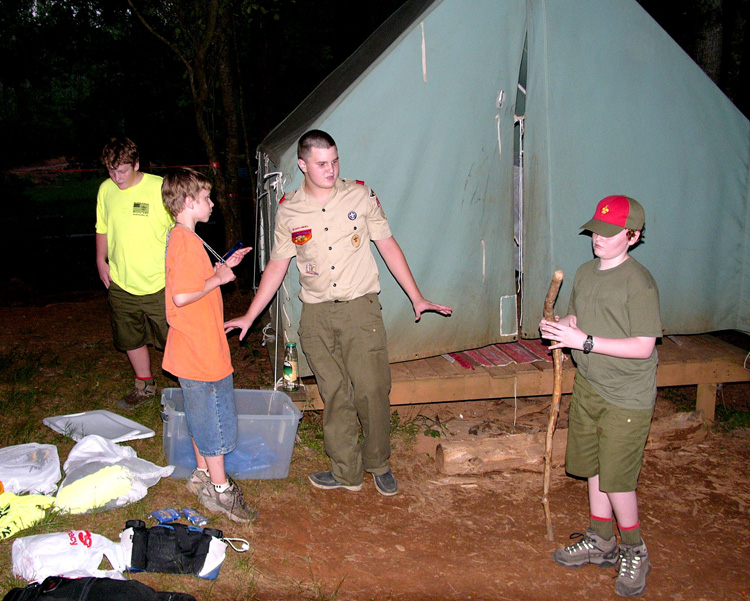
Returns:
<point x="584" y="543"/>
<point x="629" y="564"/>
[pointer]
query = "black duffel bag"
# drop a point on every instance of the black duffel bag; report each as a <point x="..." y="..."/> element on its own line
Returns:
<point x="57" y="588"/>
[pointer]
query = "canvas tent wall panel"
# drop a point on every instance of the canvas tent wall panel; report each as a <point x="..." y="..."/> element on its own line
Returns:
<point x="430" y="150"/>
<point x="616" y="107"/>
<point x="613" y="106"/>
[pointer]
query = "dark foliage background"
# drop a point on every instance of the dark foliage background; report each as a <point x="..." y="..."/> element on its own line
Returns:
<point x="76" y="72"/>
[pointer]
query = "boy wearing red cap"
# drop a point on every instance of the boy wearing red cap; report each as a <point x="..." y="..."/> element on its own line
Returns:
<point x="611" y="328"/>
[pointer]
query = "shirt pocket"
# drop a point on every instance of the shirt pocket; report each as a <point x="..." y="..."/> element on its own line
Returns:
<point x="351" y="232"/>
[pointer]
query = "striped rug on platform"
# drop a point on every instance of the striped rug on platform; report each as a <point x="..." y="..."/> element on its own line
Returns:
<point x="498" y="355"/>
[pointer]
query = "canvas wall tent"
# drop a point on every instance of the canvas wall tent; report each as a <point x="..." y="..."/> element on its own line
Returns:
<point x="427" y="111"/>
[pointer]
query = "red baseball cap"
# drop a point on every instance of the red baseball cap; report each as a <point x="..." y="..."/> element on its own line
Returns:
<point x="614" y="214"/>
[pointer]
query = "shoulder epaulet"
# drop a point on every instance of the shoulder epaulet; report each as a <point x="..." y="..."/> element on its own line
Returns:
<point x="349" y="182"/>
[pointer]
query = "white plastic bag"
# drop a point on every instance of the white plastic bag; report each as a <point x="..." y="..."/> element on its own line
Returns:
<point x="100" y="474"/>
<point x="74" y="554"/>
<point x="32" y="468"/>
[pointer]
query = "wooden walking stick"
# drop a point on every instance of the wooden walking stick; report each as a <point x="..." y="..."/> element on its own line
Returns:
<point x="554" y="410"/>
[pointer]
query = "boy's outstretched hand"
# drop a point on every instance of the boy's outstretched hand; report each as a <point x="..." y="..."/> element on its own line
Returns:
<point x="422" y="305"/>
<point x="243" y="323"/>
<point x="237" y="256"/>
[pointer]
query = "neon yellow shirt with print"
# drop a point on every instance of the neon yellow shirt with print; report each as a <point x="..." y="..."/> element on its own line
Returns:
<point x="136" y="222"/>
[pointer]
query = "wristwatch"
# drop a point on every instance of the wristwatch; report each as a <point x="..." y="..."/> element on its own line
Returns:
<point x="588" y="345"/>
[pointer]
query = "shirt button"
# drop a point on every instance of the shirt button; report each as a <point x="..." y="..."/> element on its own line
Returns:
<point x="355" y="227"/>
<point x="334" y="285"/>
<point x="324" y="210"/>
<point x="330" y="248"/>
<point x="326" y="229"/>
<point x="333" y="267"/>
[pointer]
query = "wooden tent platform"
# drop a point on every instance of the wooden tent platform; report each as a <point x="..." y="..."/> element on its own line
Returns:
<point x="701" y="360"/>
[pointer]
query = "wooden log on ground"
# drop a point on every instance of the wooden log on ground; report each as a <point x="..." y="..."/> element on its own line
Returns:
<point x="509" y="452"/>
<point x="525" y="451"/>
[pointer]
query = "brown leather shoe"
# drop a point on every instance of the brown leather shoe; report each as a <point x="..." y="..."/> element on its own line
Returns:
<point x="143" y="392"/>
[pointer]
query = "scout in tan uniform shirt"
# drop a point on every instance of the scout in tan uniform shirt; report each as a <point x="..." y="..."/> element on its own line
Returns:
<point x="328" y="224"/>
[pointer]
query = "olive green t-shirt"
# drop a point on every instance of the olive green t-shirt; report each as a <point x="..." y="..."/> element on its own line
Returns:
<point x="621" y="302"/>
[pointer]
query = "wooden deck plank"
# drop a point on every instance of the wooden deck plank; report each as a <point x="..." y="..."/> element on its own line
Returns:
<point x="702" y="361"/>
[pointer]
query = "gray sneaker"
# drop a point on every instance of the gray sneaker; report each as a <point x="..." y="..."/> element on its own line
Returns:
<point x="327" y="481"/>
<point x="386" y="484"/>
<point x="197" y="480"/>
<point x="634" y="567"/>
<point x="591" y="549"/>
<point x="143" y="392"/>
<point x="230" y="502"/>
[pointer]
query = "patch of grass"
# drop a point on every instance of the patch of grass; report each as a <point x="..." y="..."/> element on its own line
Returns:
<point x="310" y="431"/>
<point x="18" y="401"/>
<point x="316" y="591"/>
<point x="20" y="367"/>
<point x="730" y="419"/>
<point x="246" y="567"/>
<point x="405" y="429"/>
<point x="8" y="581"/>
<point x="732" y="415"/>
<point x="678" y="396"/>
<point x="21" y="431"/>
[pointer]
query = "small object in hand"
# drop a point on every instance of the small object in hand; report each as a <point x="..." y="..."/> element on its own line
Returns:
<point x="195" y="518"/>
<point x="164" y="516"/>
<point x="233" y="250"/>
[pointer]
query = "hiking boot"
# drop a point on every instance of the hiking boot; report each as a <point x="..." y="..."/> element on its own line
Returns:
<point x="143" y="392"/>
<point x="230" y="502"/>
<point x="386" y="484"/>
<point x="592" y="548"/>
<point x="326" y="481"/>
<point x="197" y="480"/>
<point x="634" y="567"/>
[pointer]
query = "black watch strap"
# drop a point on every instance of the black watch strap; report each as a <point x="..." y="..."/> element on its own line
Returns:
<point x="588" y="345"/>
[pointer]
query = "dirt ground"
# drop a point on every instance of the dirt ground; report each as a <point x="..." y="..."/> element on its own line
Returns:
<point x="440" y="538"/>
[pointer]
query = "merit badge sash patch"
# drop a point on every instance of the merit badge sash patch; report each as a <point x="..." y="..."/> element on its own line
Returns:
<point x="301" y="237"/>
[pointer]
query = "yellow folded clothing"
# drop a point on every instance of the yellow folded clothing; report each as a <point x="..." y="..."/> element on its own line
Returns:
<point x="18" y="512"/>
<point x="95" y="490"/>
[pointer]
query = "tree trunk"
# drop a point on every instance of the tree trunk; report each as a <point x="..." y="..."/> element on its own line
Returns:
<point x="229" y="202"/>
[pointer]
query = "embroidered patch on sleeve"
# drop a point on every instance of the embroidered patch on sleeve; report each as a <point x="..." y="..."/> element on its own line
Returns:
<point x="301" y="237"/>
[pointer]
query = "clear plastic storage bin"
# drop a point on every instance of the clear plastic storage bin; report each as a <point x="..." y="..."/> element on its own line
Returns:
<point x="266" y="429"/>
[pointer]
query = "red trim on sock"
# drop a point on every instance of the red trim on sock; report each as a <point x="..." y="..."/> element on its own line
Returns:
<point x="621" y="528"/>
<point x="598" y="519"/>
<point x="145" y="379"/>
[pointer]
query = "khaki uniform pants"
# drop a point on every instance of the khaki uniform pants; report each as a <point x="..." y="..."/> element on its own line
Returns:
<point x="345" y="346"/>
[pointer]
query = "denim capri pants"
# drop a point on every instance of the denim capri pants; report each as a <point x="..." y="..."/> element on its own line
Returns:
<point x="211" y="415"/>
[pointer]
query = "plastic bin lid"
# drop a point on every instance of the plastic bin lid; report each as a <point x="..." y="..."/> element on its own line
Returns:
<point x="102" y="422"/>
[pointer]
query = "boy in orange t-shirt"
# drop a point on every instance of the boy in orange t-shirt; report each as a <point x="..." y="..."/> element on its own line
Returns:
<point x="197" y="351"/>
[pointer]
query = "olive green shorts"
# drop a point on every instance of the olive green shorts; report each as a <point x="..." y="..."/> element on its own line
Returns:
<point x="605" y="440"/>
<point x="137" y="320"/>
